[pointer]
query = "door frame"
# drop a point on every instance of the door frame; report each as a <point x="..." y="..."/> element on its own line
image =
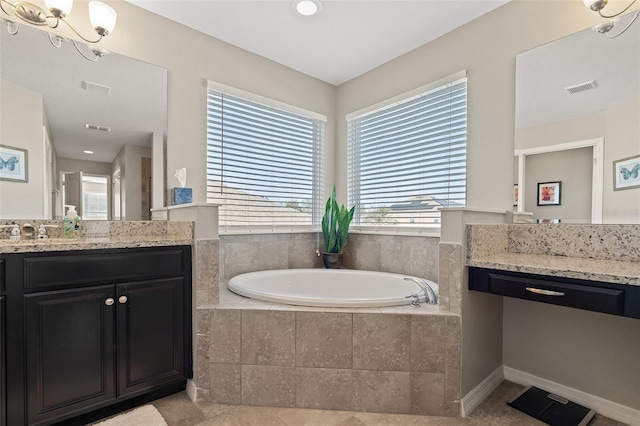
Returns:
<point x="597" y="175"/>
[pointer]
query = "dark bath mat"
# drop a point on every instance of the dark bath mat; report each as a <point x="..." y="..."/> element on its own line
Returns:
<point x="551" y="409"/>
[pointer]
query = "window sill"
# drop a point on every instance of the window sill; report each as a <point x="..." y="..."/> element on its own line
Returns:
<point x="409" y="231"/>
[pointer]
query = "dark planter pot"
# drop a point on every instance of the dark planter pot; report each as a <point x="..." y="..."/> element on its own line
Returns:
<point x="332" y="260"/>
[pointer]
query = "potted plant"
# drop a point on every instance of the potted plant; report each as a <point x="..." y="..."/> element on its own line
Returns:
<point x="335" y="227"/>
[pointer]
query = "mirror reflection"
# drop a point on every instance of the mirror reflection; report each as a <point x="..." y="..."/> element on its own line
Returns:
<point x="89" y="130"/>
<point x="577" y="109"/>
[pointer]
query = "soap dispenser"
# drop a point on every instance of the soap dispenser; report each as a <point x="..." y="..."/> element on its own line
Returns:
<point x="71" y="223"/>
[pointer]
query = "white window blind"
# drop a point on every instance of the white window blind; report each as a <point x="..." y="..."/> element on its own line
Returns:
<point x="408" y="159"/>
<point x="264" y="163"/>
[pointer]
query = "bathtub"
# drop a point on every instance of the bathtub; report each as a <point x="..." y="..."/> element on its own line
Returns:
<point x="328" y="287"/>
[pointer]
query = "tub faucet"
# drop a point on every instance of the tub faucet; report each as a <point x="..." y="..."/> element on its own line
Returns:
<point x="432" y="297"/>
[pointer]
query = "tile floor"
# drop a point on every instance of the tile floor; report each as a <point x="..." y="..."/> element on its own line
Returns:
<point x="178" y="410"/>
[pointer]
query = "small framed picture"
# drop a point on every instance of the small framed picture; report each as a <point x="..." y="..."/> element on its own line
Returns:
<point x="626" y="173"/>
<point x="13" y="164"/>
<point x="515" y="194"/>
<point x="549" y="193"/>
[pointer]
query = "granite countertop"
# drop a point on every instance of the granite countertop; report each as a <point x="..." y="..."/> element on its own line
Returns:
<point x="89" y="243"/>
<point x="611" y="271"/>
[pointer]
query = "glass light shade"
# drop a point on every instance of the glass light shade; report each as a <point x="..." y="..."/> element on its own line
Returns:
<point x="63" y="6"/>
<point x="595" y="4"/>
<point x="102" y="16"/>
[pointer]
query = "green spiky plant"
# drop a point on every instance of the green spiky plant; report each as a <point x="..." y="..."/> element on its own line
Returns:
<point x="335" y="224"/>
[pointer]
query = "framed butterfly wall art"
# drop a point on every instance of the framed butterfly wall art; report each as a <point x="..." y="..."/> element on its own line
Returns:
<point x="626" y="173"/>
<point x="13" y="164"/>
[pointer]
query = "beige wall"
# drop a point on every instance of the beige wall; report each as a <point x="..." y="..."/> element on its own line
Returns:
<point x="620" y="128"/>
<point x="595" y="353"/>
<point x="22" y="118"/>
<point x="622" y="140"/>
<point x="574" y="168"/>
<point x="191" y="58"/>
<point x="128" y="161"/>
<point x="486" y="48"/>
<point x="85" y="166"/>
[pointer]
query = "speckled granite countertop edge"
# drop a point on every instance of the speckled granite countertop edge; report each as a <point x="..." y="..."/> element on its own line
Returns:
<point x="90" y="243"/>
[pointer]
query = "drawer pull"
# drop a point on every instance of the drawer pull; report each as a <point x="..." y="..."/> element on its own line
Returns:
<point x="545" y="292"/>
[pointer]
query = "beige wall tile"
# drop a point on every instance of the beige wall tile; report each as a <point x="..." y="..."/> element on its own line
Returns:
<point x="225" y="336"/>
<point x="381" y="342"/>
<point x="427" y="394"/>
<point x="207" y="259"/>
<point x="203" y="321"/>
<point x="226" y="383"/>
<point x="273" y="255"/>
<point x="362" y="254"/>
<point x="239" y="258"/>
<point x="324" y="388"/>
<point x="324" y="340"/>
<point x="302" y="253"/>
<point x="268" y="386"/>
<point x="382" y="391"/>
<point x="453" y="331"/>
<point x="428" y="334"/>
<point x="268" y="337"/>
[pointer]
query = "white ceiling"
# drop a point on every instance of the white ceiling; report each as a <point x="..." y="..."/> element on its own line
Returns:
<point x="346" y="39"/>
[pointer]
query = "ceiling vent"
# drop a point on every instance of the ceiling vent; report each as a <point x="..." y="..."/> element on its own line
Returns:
<point x="96" y="127"/>
<point x="581" y="87"/>
<point x="96" y="87"/>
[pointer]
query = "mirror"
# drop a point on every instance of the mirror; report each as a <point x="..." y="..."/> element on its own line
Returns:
<point x="577" y="109"/>
<point x="57" y="105"/>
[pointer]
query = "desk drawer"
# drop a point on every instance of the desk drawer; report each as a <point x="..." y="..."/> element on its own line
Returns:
<point x="102" y="267"/>
<point x="592" y="298"/>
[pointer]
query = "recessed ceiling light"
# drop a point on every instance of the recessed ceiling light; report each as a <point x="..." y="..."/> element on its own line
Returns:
<point x="307" y="7"/>
<point x="88" y="152"/>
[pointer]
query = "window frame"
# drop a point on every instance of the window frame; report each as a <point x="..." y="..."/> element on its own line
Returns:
<point x="397" y="229"/>
<point x="319" y="165"/>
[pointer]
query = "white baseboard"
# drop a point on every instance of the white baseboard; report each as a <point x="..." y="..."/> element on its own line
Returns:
<point x="601" y="406"/>
<point x="192" y="390"/>
<point x="478" y="394"/>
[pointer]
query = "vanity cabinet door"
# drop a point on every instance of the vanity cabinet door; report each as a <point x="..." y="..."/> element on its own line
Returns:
<point x="70" y="351"/>
<point x="151" y="334"/>
<point x="3" y="376"/>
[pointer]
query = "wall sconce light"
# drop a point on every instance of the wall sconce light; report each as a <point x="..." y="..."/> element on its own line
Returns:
<point x="102" y="17"/>
<point x="605" y="28"/>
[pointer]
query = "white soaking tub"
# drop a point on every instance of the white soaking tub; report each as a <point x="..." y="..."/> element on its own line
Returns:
<point x="330" y="287"/>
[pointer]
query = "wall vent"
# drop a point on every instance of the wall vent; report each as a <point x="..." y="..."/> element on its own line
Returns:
<point x="581" y="87"/>
<point x="96" y="127"/>
<point x="96" y="87"/>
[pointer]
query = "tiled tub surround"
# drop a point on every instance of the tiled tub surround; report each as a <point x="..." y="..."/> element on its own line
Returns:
<point x="376" y="362"/>
<point x="96" y="234"/>
<point x="608" y="253"/>
<point x="395" y="360"/>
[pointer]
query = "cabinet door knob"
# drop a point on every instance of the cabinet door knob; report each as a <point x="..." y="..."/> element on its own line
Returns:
<point x="122" y="299"/>
<point x="109" y="301"/>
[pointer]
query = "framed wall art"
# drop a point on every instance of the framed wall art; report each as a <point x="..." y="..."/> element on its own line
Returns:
<point x="549" y="193"/>
<point x="626" y="173"/>
<point x="13" y="164"/>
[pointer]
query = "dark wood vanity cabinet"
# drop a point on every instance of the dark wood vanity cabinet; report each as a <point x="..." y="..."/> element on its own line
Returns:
<point x="3" y="375"/>
<point x="609" y="298"/>
<point x="92" y="340"/>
